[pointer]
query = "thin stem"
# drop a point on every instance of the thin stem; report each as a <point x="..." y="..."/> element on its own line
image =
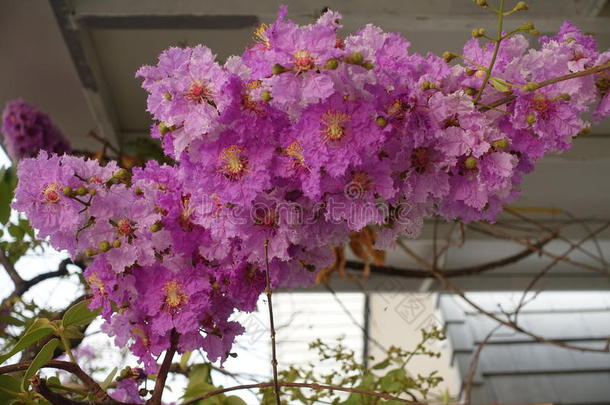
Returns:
<point x="66" y="343"/>
<point x="591" y="71"/>
<point x="155" y="399"/>
<point x="494" y="54"/>
<point x="268" y="291"/>
<point x="313" y="386"/>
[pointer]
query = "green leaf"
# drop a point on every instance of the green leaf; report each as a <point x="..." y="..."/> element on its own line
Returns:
<point x="16" y="232"/>
<point x="44" y="355"/>
<point x="108" y="380"/>
<point x="9" y="388"/>
<point x="79" y="314"/>
<point x="11" y="320"/>
<point x="234" y="400"/>
<point x="499" y="84"/>
<point x="6" y="196"/>
<point x="39" y="329"/>
<point x="382" y="364"/>
<point x="184" y="359"/>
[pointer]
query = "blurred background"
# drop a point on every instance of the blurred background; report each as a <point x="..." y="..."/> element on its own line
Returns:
<point x="76" y="60"/>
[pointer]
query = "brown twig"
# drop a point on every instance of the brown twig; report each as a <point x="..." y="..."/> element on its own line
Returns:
<point x="10" y="269"/>
<point x="474" y="362"/>
<point x="451" y="287"/>
<point x="155" y="399"/>
<point x="508" y="99"/>
<point x="457" y="272"/>
<point x="268" y="291"/>
<point x="313" y="386"/>
<point x="98" y="393"/>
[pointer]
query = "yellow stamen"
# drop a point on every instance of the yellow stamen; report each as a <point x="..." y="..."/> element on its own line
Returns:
<point x="234" y="162"/>
<point x="334" y="123"/>
<point x="175" y="297"/>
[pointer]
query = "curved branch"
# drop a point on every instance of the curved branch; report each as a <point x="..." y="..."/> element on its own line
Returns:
<point x="97" y="391"/>
<point x="508" y="99"/>
<point x="313" y="386"/>
<point x="457" y="272"/>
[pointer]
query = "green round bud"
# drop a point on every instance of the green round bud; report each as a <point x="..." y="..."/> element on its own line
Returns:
<point x="156" y="227"/>
<point x="116" y="243"/>
<point x="470" y="162"/>
<point x="80" y="190"/>
<point x="531" y="86"/>
<point x="67" y="191"/>
<point x="121" y="174"/>
<point x="482" y="3"/>
<point x="331" y="64"/>
<point x="531" y="118"/>
<point x="381" y="121"/>
<point x="526" y="27"/>
<point x="478" y="32"/>
<point x="104" y="246"/>
<point x="163" y="128"/>
<point x="90" y="252"/>
<point x="138" y="191"/>
<point x="277" y="69"/>
<point x="565" y="97"/>
<point x="167" y="96"/>
<point x="521" y="6"/>
<point x="368" y="65"/>
<point x="356" y="58"/>
<point x="470" y="91"/>
<point x="427" y="85"/>
<point x="92" y="191"/>
<point x="266" y="95"/>
<point x="500" y="144"/>
<point x="449" y="56"/>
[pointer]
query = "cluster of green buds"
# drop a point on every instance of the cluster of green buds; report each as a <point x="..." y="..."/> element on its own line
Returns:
<point x="427" y="85"/>
<point x="79" y="191"/>
<point x="103" y="247"/>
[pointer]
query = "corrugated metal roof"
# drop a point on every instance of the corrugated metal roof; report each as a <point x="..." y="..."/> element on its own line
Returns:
<point x="514" y="368"/>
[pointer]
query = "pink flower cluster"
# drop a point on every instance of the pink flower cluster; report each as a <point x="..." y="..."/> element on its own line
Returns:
<point x="303" y="139"/>
<point x="26" y="131"/>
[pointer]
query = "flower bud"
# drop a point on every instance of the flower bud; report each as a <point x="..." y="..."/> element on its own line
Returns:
<point x="266" y="95"/>
<point x="355" y="58"/>
<point x="500" y="144"/>
<point x="278" y="69"/>
<point x="531" y="118"/>
<point x="156" y="227"/>
<point x="482" y="3"/>
<point x="470" y="91"/>
<point x="67" y="191"/>
<point x="331" y="64"/>
<point x="92" y="192"/>
<point x="167" y="96"/>
<point x="565" y="97"/>
<point x="449" y="56"/>
<point x="427" y="85"/>
<point x="138" y="191"/>
<point x="90" y="252"/>
<point x="531" y="86"/>
<point x="469" y="72"/>
<point x="80" y="190"/>
<point x="368" y="65"/>
<point x="116" y="243"/>
<point x="526" y="27"/>
<point x="478" y="32"/>
<point x="381" y="121"/>
<point x="121" y="174"/>
<point x="104" y="246"/>
<point x="470" y="163"/>
<point x="163" y="128"/>
<point x="521" y="6"/>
